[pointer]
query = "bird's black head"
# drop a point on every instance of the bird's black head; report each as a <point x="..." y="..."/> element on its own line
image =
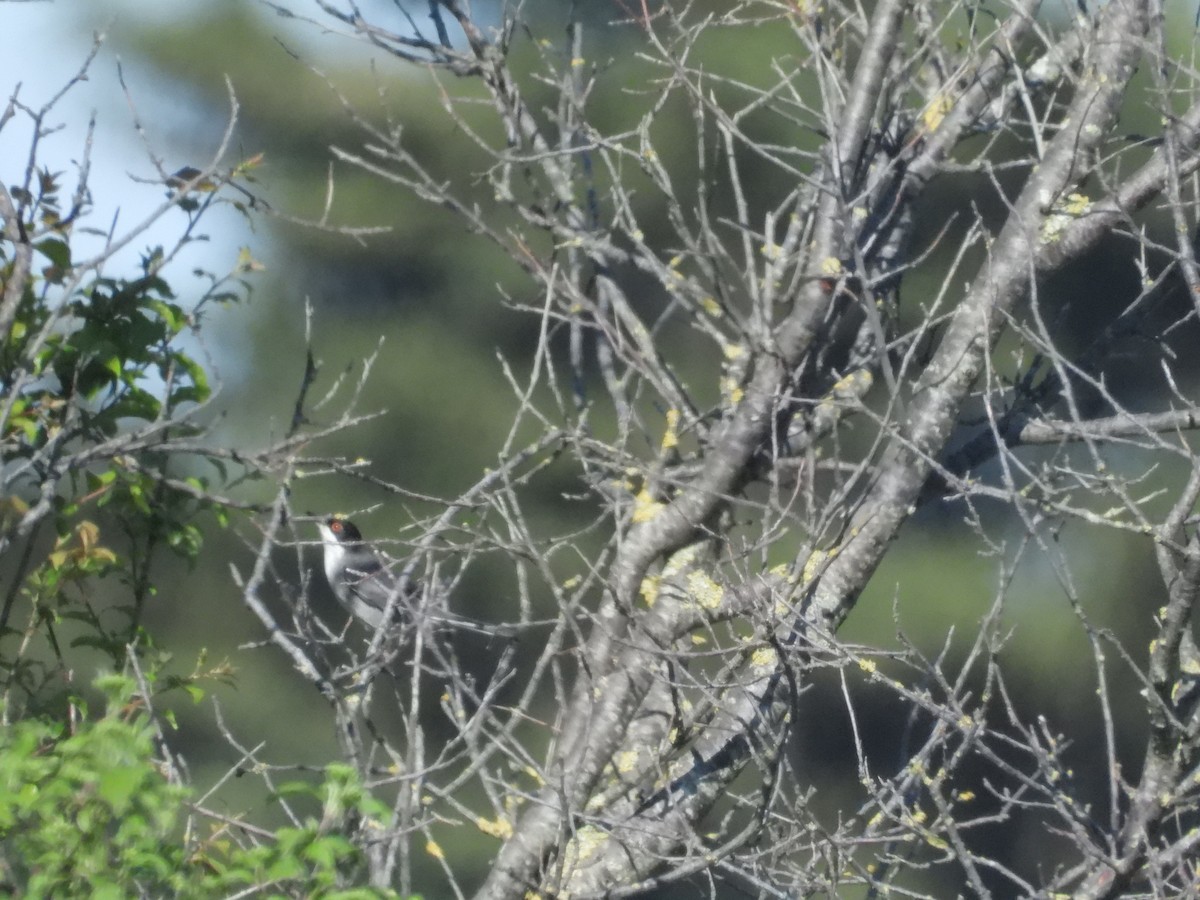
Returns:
<point x="344" y="530"/>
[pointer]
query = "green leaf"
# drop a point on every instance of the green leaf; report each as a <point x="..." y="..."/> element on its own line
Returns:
<point x="55" y="250"/>
<point x="194" y="691"/>
<point x="174" y="317"/>
<point x="117" y="787"/>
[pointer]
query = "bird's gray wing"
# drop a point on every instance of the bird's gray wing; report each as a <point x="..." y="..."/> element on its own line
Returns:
<point x="370" y="585"/>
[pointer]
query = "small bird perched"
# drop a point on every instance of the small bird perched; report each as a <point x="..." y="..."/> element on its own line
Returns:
<point x="364" y="585"/>
<point x="360" y="580"/>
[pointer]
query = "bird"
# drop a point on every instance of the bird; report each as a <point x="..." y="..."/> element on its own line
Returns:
<point x="364" y="584"/>
<point x="357" y="574"/>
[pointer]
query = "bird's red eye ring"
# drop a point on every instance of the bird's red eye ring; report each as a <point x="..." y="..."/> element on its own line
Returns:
<point x="335" y="526"/>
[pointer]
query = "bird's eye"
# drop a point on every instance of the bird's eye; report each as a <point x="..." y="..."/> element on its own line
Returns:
<point x="335" y="527"/>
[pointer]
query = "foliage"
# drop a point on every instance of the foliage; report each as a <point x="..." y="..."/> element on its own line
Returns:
<point x="100" y="404"/>
<point x="88" y="811"/>
<point x="106" y="463"/>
